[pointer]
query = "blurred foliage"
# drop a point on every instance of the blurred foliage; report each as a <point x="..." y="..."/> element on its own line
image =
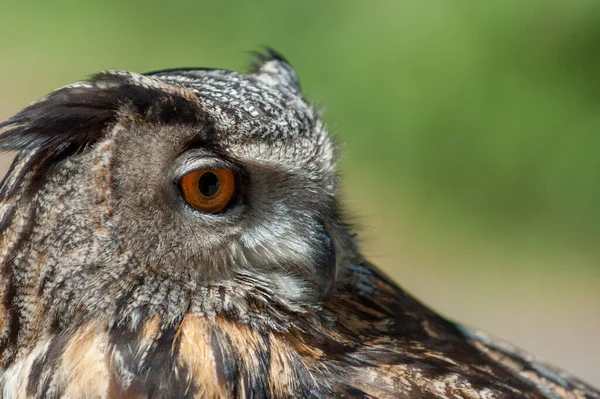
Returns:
<point x="479" y="116"/>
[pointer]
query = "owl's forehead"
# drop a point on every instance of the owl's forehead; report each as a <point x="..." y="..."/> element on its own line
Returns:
<point x="248" y="108"/>
<point x="262" y="115"/>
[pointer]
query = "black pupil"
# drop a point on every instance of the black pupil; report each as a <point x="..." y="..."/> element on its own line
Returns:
<point x="208" y="184"/>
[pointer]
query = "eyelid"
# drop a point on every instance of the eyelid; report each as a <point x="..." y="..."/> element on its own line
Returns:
<point x="194" y="164"/>
<point x="202" y="160"/>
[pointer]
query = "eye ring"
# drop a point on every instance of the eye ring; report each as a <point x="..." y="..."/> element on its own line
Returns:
<point x="208" y="190"/>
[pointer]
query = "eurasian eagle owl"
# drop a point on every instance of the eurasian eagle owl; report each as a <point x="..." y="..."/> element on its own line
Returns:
<point x="179" y="234"/>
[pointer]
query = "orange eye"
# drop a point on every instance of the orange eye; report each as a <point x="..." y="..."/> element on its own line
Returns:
<point x="208" y="190"/>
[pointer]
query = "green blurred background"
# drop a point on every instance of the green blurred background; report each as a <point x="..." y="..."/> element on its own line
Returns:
<point x="470" y="132"/>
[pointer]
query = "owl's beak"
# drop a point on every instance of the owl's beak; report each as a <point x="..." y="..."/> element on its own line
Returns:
<point x="327" y="262"/>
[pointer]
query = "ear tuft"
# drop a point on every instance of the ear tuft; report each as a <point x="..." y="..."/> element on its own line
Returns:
<point x="69" y="114"/>
<point x="78" y="114"/>
<point x="271" y="67"/>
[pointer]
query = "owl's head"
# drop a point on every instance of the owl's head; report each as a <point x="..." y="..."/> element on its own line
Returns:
<point x="198" y="189"/>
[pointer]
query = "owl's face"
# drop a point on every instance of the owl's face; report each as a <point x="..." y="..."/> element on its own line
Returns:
<point x="248" y="186"/>
<point x="164" y="186"/>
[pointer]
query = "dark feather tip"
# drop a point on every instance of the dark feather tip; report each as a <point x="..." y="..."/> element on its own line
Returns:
<point x="259" y="58"/>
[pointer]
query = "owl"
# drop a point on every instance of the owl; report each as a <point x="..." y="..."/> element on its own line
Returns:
<point x="180" y="234"/>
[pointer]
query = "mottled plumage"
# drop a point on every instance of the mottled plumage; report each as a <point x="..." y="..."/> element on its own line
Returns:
<point x="114" y="287"/>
